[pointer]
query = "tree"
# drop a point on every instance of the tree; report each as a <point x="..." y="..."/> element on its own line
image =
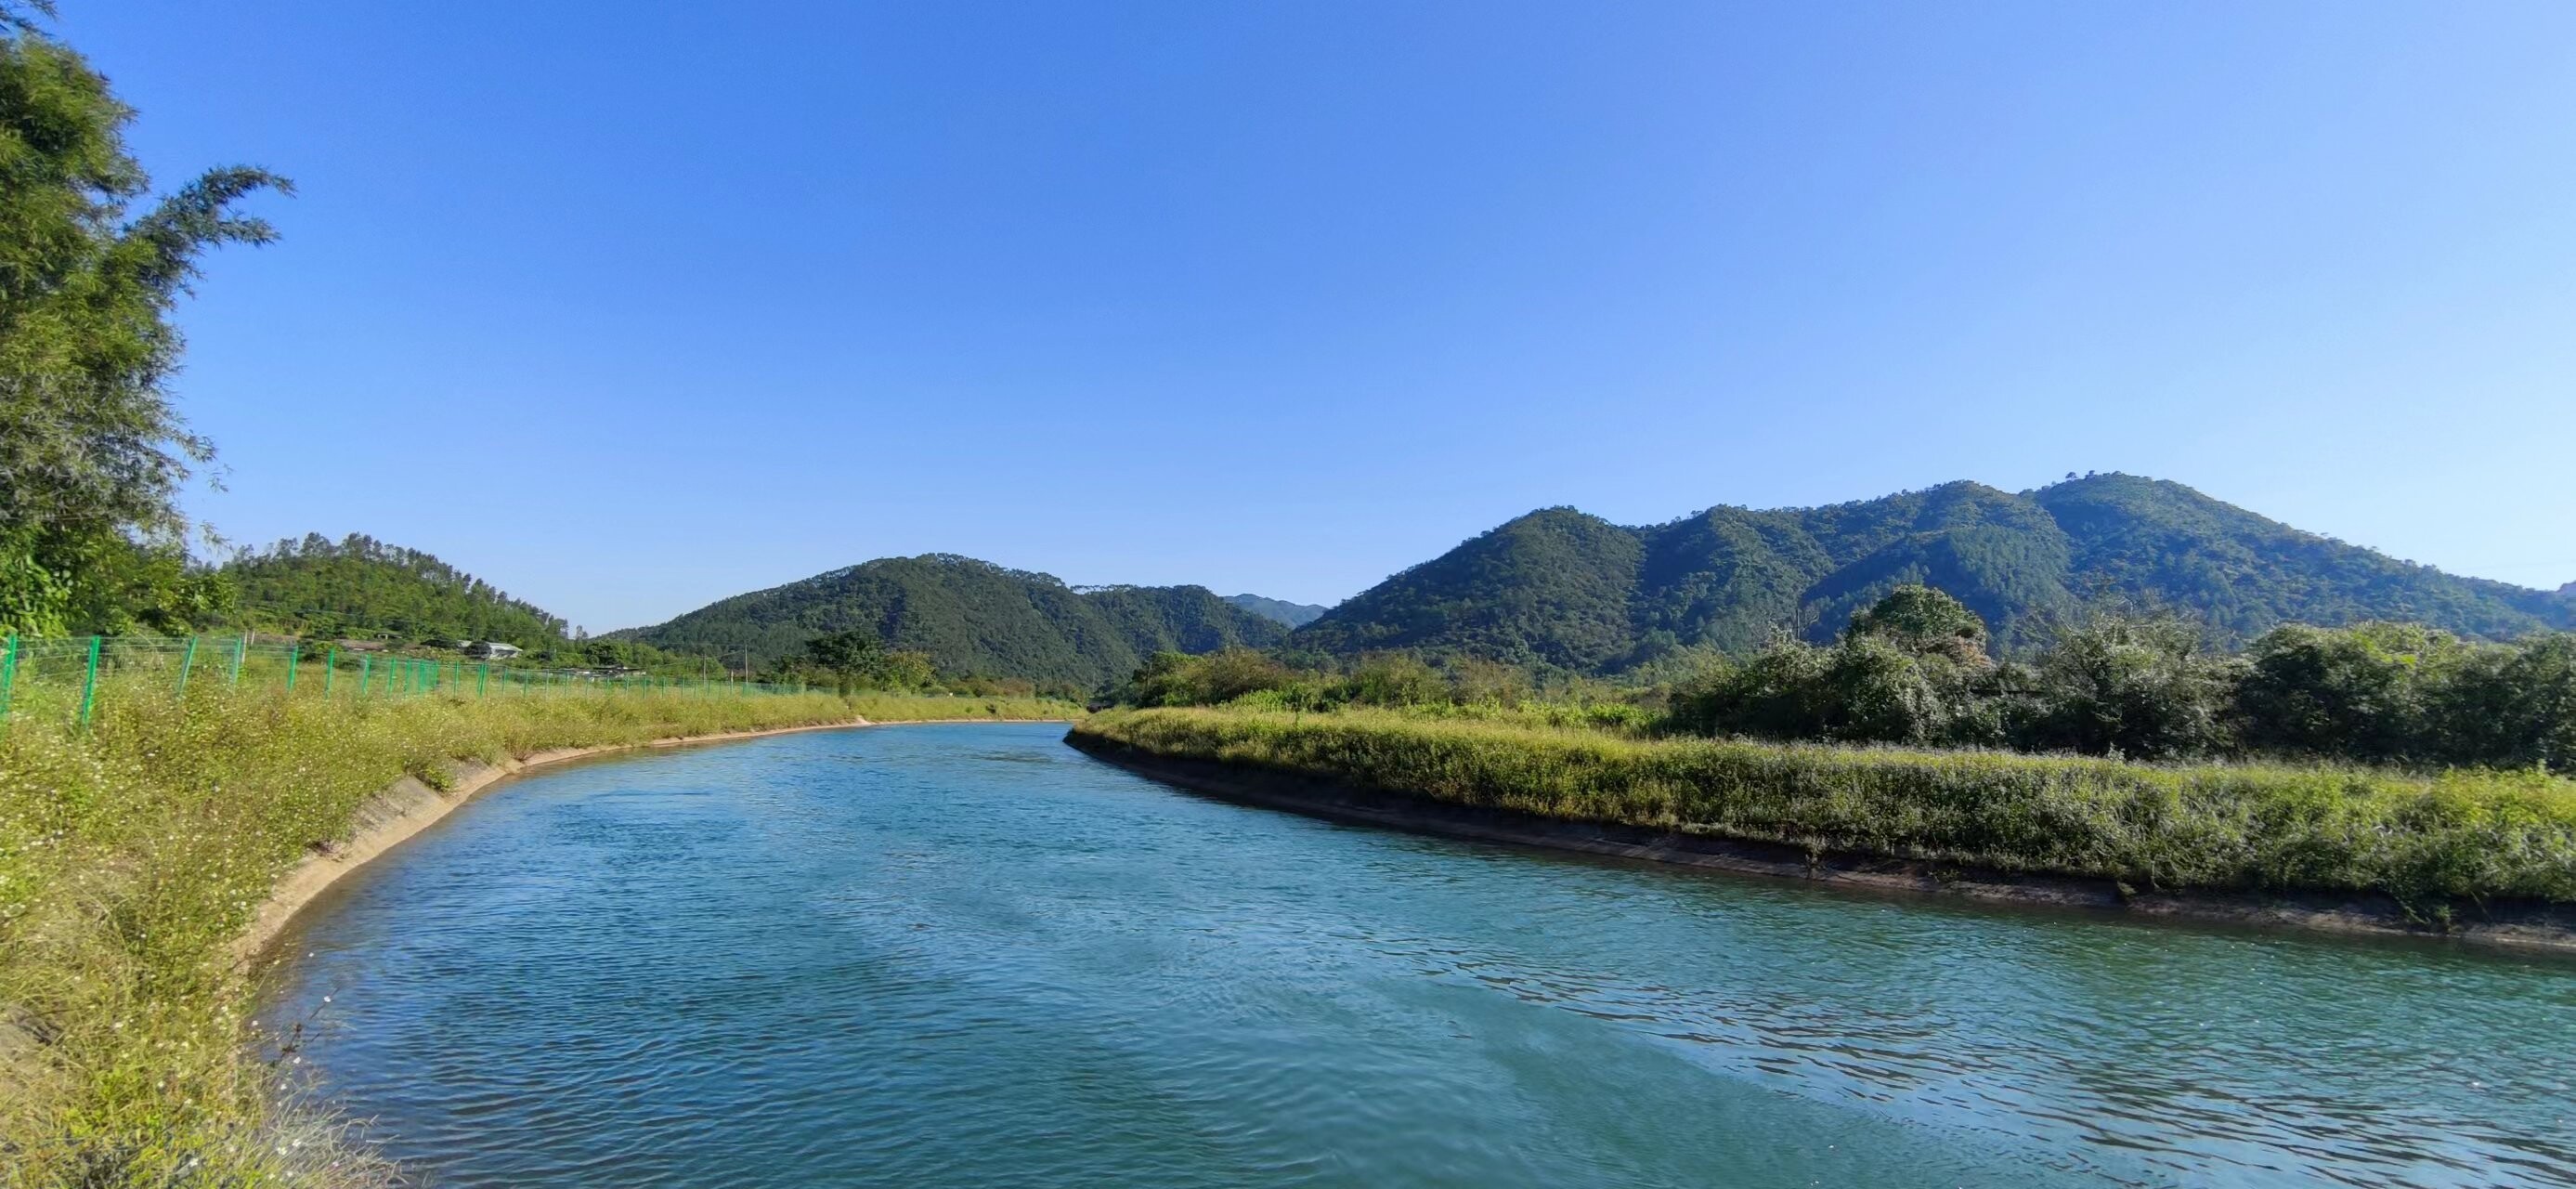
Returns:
<point x="848" y="654"/>
<point x="92" y="452"/>
<point x="2508" y="707"/>
<point x="1179" y="679"/>
<point x="2355" y="693"/>
<point x="2139" y="687"/>
<point x="1925" y="622"/>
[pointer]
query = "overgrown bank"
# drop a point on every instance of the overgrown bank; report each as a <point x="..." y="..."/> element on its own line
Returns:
<point x="133" y="853"/>
<point x="2434" y="845"/>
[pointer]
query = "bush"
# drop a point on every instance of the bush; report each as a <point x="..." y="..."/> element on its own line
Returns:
<point x="2130" y="686"/>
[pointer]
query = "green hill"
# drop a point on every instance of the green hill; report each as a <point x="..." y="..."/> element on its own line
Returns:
<point x="1295" y="615"/>
<point x="973" y="618"/>
<point x="365" y="588"/>
<point x="1561" y="588"/>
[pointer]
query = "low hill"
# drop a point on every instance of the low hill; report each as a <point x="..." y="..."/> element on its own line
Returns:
<point x="362" y="587"/>
<point x="1295" y="615"/>
<point x="973" y="618"/>
<point x="1562" y="588"/>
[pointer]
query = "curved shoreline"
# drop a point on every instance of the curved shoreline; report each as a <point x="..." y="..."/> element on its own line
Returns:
<point x="2540" y="928"/>
<point x="407" y="806"/>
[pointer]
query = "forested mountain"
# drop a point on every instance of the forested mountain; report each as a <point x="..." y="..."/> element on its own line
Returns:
<point x="364" y="588"/>
<point x="1559" y="587"/>
<point x="974" y="618"/>
<point x="1295" y="615"/>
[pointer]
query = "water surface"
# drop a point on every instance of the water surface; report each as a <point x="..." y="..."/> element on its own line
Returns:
<point x="969" y="955"/>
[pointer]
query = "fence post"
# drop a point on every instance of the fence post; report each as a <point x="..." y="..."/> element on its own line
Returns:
<point x="241" y="648"/>
<point x="89" y="685"/>
<point x="8" y="676"/>
<point x="187" y="661"/>
<point x="482" y="677"/>
<point x="330" y="667"/>
<point x="294" y="655"/>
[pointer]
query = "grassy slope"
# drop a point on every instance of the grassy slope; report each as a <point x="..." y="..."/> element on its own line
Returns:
<point x="131" y="855"/>
<point x="2422" y="840"/>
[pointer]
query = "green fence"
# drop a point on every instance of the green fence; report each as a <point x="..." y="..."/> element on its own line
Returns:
<point x="64" y="675"/>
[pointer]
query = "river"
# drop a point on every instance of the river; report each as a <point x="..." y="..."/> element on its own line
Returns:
<point x="969" y="955"/>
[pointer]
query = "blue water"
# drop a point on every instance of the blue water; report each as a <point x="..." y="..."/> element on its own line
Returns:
<point x="969" y="955"/>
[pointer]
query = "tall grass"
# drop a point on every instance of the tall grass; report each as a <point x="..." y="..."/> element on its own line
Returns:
<point x="2425" y="840"/>
<point x="132" y="853"/>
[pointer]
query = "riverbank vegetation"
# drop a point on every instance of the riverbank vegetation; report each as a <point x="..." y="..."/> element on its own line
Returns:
<point x="133" y="852"/>
<point x="1914" y="669"/>
<point x="2430" y="842"/>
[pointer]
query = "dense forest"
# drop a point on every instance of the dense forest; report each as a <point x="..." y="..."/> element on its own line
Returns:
<point x="365" y="588"/>
<point x="1561" y="589"/>
<point x="971" y="619"/>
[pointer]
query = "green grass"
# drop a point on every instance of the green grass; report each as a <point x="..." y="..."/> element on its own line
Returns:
<point x="2428" y="841"/>
<point x="131" y="854"/>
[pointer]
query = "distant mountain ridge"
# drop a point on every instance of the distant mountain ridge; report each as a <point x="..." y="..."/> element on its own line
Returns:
<point x="1562" y="588"/>
<point x="973" y="618"/>
<point x="1295" y="615"/>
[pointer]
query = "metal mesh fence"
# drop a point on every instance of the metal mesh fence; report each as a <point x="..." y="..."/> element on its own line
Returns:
<point x="63" y="675"/>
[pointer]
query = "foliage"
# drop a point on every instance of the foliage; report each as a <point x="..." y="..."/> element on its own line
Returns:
<point x="1178" y="679"/>
<point x="2426" y="841"/>
<point x="854" y="660"/>
<point x="2123" y="685"/>
<point x="2149" y="687"/>
<point x="1558" y="589"/>
<point x="91" y="452"/>
<point x="2360" y="692"/>
<point x="362" y="587"/>
<point x="973" y="619"/>
<point x="132" y="854"/>
<point x="1921" y="621"/>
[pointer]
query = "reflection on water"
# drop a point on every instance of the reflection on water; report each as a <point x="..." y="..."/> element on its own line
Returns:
<point x="968" y="955"/>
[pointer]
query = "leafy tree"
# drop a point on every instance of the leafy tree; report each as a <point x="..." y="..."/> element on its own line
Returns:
<point x="2143" y="687"/>
<point x="92" y="453"/>
<point x="1179" y="679"/>
<point x="1925" y="622"/>
<point x="856" y="659"/>
<point x="2508" y="707"/>
<point x="2355" y="693"/>
<point x="849" y="653"/>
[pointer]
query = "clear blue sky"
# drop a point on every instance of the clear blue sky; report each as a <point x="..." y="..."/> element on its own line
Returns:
<point x="629" y="306"/>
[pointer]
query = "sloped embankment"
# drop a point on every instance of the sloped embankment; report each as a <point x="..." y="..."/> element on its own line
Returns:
<point x="2488" y="857"/>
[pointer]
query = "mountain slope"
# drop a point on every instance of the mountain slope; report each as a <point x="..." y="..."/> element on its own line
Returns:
<point x="1295" y="615"/>
<point x="1561" y="588"/>
<point x="974" y="618"/>
<point x="362" y="587"/>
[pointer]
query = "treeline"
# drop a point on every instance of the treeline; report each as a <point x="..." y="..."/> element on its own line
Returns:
<point x="1915" y="669"/>
<point x="856" y="661"/>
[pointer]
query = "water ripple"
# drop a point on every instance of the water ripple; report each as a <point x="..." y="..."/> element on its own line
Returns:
<point x="970" y="956"/>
